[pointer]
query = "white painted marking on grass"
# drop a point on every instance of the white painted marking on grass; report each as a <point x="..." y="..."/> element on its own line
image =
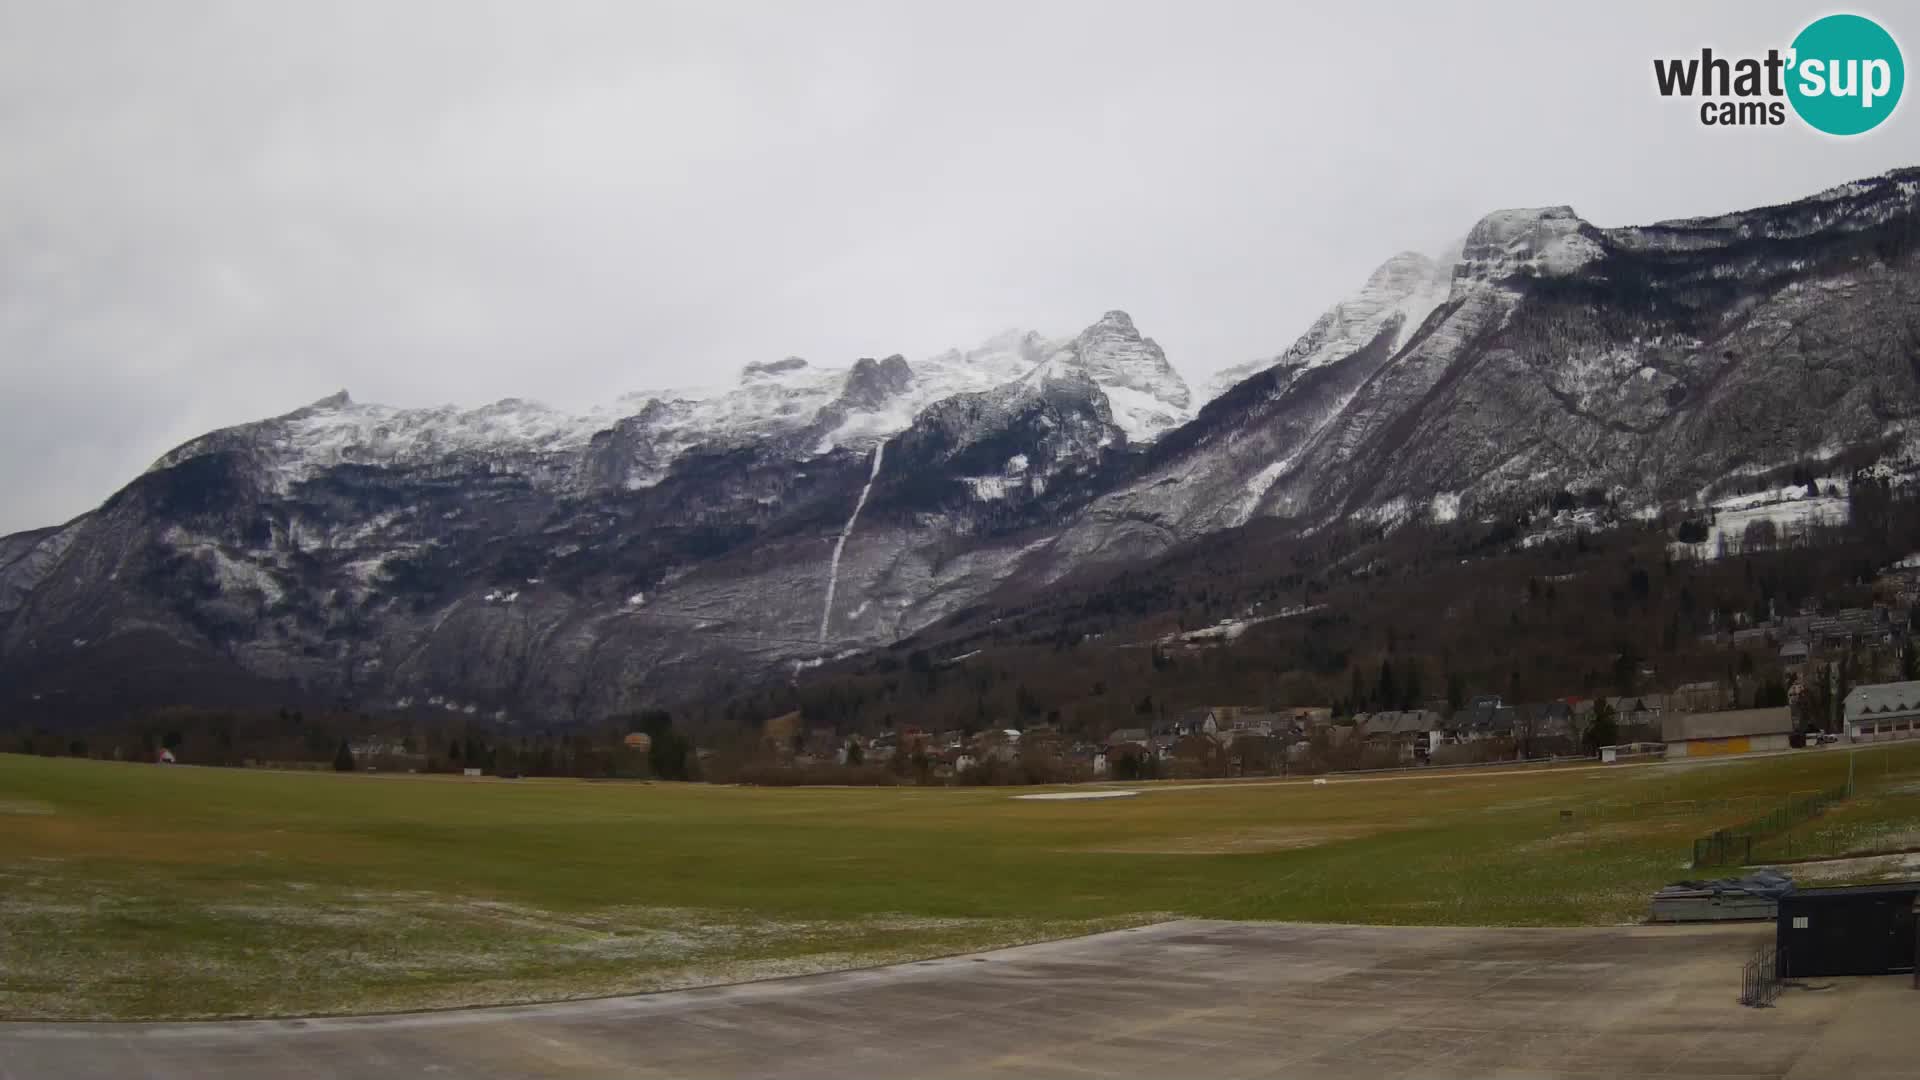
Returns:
<point x="1058" y="796"/>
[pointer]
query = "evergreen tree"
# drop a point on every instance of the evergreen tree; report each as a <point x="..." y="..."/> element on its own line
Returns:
<point x="343" y="758"/>
<point x="1604" y="730"/>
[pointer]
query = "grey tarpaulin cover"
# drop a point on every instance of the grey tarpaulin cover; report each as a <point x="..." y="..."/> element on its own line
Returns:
<point x="1771" y="884"/>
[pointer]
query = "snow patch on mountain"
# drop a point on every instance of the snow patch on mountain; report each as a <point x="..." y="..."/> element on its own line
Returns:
<point x="337" y="430"/>
<point x="1142" y="415"/>
<point x="840" y="545"/>
<point x="1400" y="294"/>
<point x="1263" y="481"/>
<point x="989" y="488"/>
<point x="1792" y="510"/>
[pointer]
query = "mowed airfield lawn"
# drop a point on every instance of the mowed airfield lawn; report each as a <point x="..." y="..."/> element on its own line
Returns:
<point x="145" y="891"/>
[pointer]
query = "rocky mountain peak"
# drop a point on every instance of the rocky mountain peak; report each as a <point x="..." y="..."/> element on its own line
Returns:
<point x="1146" y="394"/>
<point x="339" y="399"/>
<point x="872" y="382"/>
<point x="1548" y="239"/>
<point x="1407" y="288"/>
<point x="1402" y="273"/>
<point x="765" y="369"/>
<point x="1112" y="353"/>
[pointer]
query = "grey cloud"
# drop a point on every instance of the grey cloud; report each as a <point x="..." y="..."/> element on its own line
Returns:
<point x="211" y="212"/>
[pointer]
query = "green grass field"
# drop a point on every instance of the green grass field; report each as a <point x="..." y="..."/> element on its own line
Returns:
<point x="144" y="891"/>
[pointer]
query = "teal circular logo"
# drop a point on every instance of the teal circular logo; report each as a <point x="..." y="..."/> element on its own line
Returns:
<point x="1846" y="76"/>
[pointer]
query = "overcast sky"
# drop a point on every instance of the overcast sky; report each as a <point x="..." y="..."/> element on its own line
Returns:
<point x="211" y="213"/>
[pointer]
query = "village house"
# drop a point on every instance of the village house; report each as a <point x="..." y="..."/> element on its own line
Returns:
<point x="1412" y="733"/>
<point x="1871" y="626"/>
<point x="1696" y="697"/>
<point x="1546" y="729"/>
<point x="1882" y="712"/>
<point x="1197" y="749"/>
<point x="1256" y="722"/>
<point x="1196" y="721"/>
<point x="1486" y="718"/>
<point x="996" y="744"/>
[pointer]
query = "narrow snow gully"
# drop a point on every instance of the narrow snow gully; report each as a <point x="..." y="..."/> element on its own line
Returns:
<point x="833" y="567"/>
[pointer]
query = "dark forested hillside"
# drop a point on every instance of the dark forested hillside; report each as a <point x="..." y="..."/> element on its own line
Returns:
<point x="1568" y="603"/>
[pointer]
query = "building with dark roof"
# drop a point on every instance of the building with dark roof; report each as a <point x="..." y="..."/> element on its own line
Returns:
<point x="1882" y="712"/>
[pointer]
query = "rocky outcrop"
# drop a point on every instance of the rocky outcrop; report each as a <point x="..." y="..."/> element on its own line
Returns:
<point x="519" y="563"/>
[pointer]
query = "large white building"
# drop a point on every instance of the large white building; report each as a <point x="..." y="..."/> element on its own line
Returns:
<point x="1882" y="712"/>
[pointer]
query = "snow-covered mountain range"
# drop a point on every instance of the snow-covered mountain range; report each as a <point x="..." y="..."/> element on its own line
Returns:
<point x="814" y="410"/>
<point x="521" y="563"/>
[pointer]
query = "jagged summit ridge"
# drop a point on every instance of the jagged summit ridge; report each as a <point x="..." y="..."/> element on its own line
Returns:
<point x="498" y="556"/>
<point x="1397" y="298"/>
<point x="850" y="407"/>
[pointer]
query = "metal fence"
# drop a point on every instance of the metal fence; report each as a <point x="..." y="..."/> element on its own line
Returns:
<point x="1856" y="840"/>
<point x="1733" y="846"/>
<point x="1760" y="978"/>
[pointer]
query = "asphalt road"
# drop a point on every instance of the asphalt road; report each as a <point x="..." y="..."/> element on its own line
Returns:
<point x="1182" y="999"/>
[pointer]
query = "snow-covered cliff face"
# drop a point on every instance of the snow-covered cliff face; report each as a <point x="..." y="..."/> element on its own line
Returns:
<point x="516" y="557"/>
<point x="1649" y="362"/>
<point x="520" y="562"/>
<point x="1396" y="300"/>
<point x="1144" y="393"/>
<point x="816" y="410"/>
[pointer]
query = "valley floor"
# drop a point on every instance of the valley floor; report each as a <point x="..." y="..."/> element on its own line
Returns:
<point x="145" y="892"/>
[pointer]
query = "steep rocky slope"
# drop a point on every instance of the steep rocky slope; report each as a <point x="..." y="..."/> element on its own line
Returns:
<point x="1652" y="363"/>
<point x="519" y="563"/>
<point x="512" y="560"/>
